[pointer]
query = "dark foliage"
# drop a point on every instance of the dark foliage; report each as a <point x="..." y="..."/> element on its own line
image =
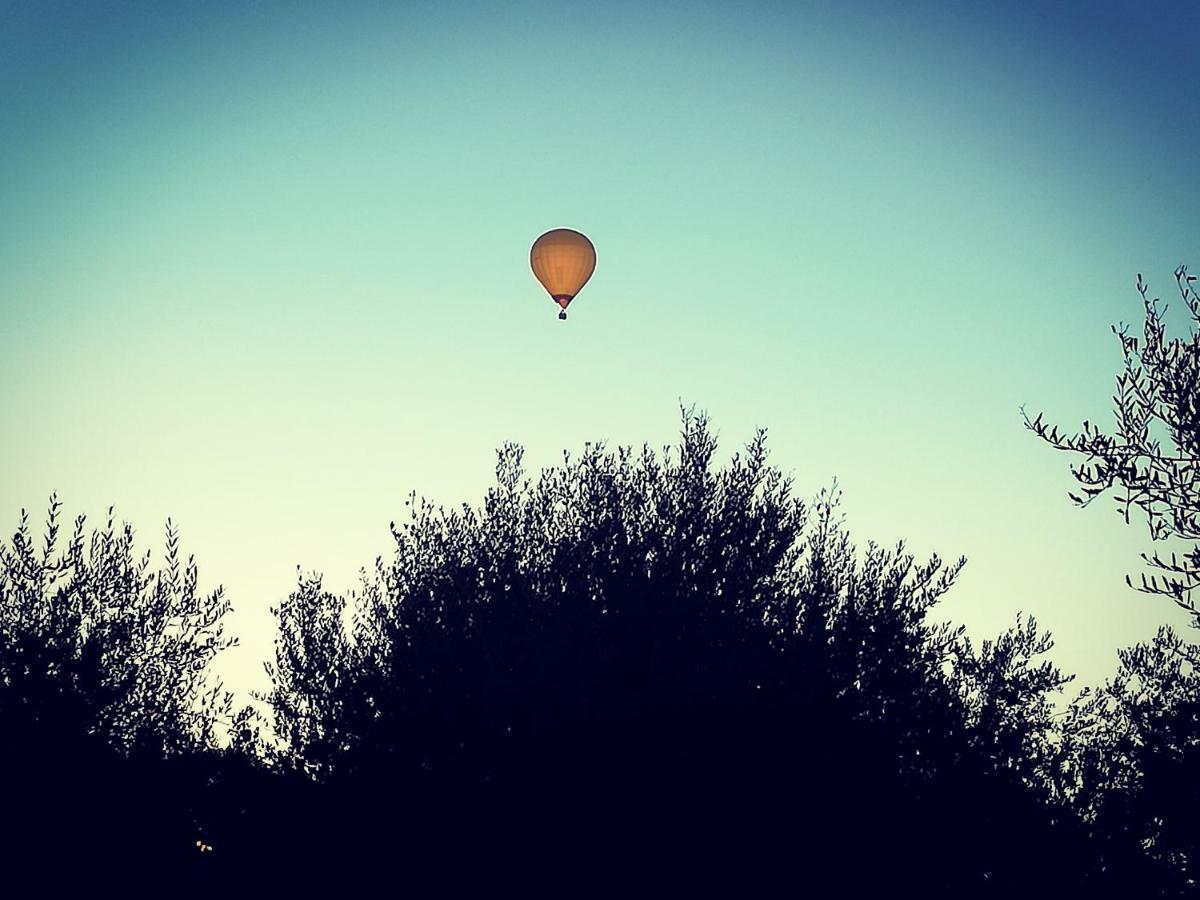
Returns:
<point x="635" y="671"/>
<point x="1135" y="750"/>
<point x="639" y="669"/>
<point x="1135" y="744"/>
<point x="107" y="713"/>
<point x="1151" y="461"/>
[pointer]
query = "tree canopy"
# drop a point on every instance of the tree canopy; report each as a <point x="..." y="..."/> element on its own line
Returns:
<point x="636" y="669"/>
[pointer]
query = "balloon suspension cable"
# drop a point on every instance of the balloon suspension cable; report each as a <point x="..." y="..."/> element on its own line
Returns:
<point x="563" y="315"/>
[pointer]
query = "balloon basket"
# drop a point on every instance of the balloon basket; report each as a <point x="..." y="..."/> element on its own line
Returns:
<point x="563" y="315"/>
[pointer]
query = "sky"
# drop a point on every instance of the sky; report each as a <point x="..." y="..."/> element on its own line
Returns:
<point x="264" y="267"/>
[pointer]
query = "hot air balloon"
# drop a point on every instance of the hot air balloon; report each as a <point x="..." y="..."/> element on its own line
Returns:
<point x="562" y="260"/>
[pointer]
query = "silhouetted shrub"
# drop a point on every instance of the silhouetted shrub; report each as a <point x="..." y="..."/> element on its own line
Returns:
<point x="641" y="668"/>
<point x="105" y="701"/>
<point x="635" y="671"/>
<point x="1131" y="751"/>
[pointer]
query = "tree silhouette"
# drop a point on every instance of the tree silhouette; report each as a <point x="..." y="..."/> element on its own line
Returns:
<point x="633" y="671"/>
<point x="641" y="668"/>
<point x="1134" y="751"/>
<point x="1133" y="747"/>
<point x="105" y="701"/>
<point x="1151" y="462"/>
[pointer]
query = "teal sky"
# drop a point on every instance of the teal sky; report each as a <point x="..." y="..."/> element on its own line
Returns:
<point x="264" y="268"/>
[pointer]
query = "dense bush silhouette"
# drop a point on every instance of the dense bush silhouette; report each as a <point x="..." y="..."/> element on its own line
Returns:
<point x="1134" y="750"/>
<point x="106" y="709"/>
<point x="634" y="671"/>
<point x="643" y="667"/>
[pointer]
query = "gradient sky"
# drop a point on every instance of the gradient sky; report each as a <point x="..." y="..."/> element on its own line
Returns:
<point x="264" y="267"/>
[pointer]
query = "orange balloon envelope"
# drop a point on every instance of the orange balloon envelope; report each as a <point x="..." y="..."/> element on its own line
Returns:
<point x="562" y="260"/>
